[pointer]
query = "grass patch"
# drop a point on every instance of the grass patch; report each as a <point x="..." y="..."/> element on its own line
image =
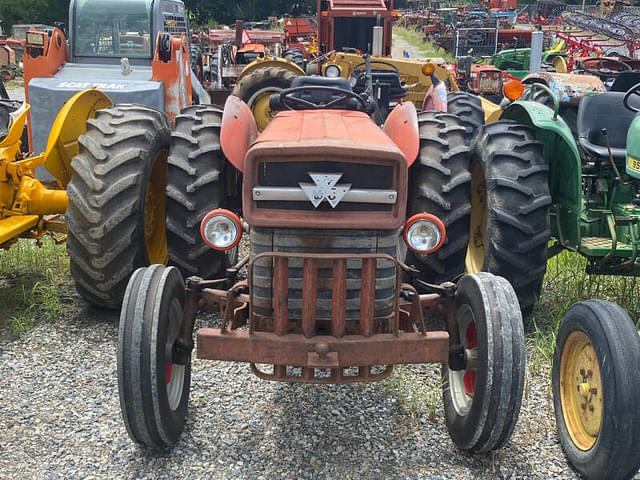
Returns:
<point x="413" y="394"/>
<point x="424" y="49"/>
<point x="32" y="283"/>
<point x="567" y="283"/>
<point x="14" y="84"/>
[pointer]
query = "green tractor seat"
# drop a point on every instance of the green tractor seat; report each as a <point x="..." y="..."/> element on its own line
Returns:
<point x="604" y="111"/>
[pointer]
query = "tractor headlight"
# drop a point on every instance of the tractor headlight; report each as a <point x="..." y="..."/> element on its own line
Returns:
<point x="221" y="229"/>
<point x="332" y="71"/>
<point x="424" y="233"/>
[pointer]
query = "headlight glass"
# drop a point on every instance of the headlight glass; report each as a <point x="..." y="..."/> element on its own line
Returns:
<point x="332" y="71"/>
<point x="220" y="231"/>
<point x="423" y="235"/>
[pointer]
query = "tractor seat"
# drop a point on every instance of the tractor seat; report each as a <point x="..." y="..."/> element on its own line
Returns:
<point x="604" y="110"/>
<point x="317" y="97"/>
<point x="625" y="81"/>
<point x="384" y="77"/>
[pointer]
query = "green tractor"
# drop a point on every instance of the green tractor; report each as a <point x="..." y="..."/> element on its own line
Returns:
<point x="516" y="61"/>
<point x="533" y="181"/>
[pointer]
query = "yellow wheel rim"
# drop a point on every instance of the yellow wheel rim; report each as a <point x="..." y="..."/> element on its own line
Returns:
<point x="581" y="390"/>
<point x="260" y="108"/>
<point x="155" y="232"/>
<point x="478" y="223"/>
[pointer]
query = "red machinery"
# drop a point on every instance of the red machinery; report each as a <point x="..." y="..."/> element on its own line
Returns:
<point x="349" y="23"/>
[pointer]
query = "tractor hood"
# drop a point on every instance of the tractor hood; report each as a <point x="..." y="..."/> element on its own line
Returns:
<point x="310" y="130"/>
<point x="48" y="95"/>
<point x="326" y="169"/>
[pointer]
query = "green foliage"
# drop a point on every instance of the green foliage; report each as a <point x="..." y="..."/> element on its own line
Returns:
<point x="34" y="283"/>
<point x="13" y="12"/>
<point x="567" y="283"/>
<point x="227" y="12"/>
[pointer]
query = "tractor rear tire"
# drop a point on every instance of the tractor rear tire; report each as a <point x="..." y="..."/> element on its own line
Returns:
<point x="596" y="386"/>
<point x="195" y="186"/>
<point x="468" y="108"/>
<point x="482" y="399"/>
<point x="153" y="388"/>
<point x="256" y="88"/>
<point x="439" y="184"/>
<point x="510" y="208"/>
<point x="116" y="213"/>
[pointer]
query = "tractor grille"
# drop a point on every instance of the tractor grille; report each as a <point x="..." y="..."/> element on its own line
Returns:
<point x="342" y="242"/>
<point x="363" y="177"/>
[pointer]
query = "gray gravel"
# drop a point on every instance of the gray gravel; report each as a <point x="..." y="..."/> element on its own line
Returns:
<point x="60" y="418"/>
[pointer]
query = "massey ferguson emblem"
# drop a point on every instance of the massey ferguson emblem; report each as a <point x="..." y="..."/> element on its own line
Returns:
<point x="325" y="188"/>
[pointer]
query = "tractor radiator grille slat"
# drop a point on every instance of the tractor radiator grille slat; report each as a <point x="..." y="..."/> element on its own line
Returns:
<point x="341" y="291"/>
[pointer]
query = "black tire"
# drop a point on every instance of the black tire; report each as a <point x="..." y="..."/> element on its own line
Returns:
<point x="482" y="405"/>
<point x="195" y="186"/>
<point x="612" y="335"/>
<point x="439" y="184"/>
<point x="262" y="82"/>
<point x="510" y="208"/>
<point x="123" y="153"/>
<point x="468" y="108"/>
<point x="153" y="408"/>
<point x="196" y="61"/>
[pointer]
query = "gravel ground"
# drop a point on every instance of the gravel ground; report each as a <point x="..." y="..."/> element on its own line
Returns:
<point x="60" y="418"/>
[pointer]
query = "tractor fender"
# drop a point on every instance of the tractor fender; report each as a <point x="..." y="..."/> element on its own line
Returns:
<point x="70" y="123"/>
<point x="238" y="131"/>
<point x="565" y="168"/>
<point x="402" y="127"/>
<point x="270" y="62"/>
<point x="567" y="87"/>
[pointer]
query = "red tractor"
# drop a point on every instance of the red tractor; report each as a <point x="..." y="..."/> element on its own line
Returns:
<point x="335" y="210"/>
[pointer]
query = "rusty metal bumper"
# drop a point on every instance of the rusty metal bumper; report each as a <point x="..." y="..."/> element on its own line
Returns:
<point x="322" y="351"/>
<point x="303" y="353"/>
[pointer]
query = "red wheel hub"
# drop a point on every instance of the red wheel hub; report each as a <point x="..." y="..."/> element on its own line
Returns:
<point x="469" y="378"/>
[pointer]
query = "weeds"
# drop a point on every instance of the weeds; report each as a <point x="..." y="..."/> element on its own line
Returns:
<point x="413" y="394"/>
<point x="32" y="279"/>
<point x="566" y="283"/>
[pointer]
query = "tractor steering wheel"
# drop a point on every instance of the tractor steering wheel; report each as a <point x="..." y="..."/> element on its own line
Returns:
<point x="635" y="90"/>
<point x="360" y="66"/>
<point x="288" y="101"/>
<point x="606" y="72"/>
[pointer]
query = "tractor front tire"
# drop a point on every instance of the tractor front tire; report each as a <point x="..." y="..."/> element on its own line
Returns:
<point x="195" y="186"/>
<point x="153" y="388"/>
<point x="116" y="212"/>
<point x="257" y="87"/>
<point x="482" y="399"/>
<point x="439" y="184"/>
<point x="596" y="386"/>
<point x="510" y="208"/>
<point x="468" y="108"/>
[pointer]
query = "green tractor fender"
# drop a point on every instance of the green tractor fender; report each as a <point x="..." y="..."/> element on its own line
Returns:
<point x="565" y="170"/>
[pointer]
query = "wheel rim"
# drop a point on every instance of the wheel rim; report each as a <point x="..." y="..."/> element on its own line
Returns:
<point x="155" y="232"/>
<point x="259" y="104"/>
<point x="581" y="390"/>
<point x="478" y="223"/>
<point x="462" y="383"/>
<point x="173" y="373"/>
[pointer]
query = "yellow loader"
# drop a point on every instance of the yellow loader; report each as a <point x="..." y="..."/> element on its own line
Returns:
<point x="29" y="208"/>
